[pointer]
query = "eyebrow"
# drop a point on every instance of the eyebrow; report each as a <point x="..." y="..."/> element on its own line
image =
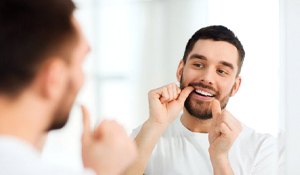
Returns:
<point x="197" y="56"/>
<point x="201" y="57"/>
<point x="227" y="64"/>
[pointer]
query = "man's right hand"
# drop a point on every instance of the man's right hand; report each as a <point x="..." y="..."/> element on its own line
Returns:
<point x="107" y="150"/>
<point x="166" y="102"/>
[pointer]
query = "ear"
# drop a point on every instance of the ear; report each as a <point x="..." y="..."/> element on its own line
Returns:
<point x="53" y="78"/>
<point x="179" y="70"/>
<point x="236" y="86"/>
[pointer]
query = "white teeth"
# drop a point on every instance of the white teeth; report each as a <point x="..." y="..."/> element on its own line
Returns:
<point x="204" y="93"/>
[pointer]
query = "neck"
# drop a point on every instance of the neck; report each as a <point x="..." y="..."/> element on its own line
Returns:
<point x="23" y="118"/>
<point x="194" y="124"/>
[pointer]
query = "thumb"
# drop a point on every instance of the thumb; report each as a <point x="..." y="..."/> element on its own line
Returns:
<point x="184" y="94"/>
<point x="86" y="130"/>
<point x="216" y="108"/>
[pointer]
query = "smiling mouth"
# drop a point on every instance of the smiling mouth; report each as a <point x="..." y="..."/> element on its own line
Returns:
<point x="203" y="93"/>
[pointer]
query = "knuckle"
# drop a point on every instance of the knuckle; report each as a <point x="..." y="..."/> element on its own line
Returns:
<point x="222" y="117"/>
<point x="151" y="92"/>
<point x="223" y="125"/>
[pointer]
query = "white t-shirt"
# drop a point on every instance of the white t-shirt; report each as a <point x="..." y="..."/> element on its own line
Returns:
<point x="182" y="152"/>
<point x="20" y="158"/>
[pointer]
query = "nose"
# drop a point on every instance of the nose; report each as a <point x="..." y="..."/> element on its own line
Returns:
<point x="208" y="77"/>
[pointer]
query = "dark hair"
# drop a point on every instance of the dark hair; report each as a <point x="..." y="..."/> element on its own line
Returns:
<point x="216" y="33"/>
<point x="30" y="32"/>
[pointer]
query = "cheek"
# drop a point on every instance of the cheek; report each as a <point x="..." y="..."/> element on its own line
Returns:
<point x="184" y="81"/>
<point x="226" y="89"/>
<point x="77" y="78"/>
<point x="188" y="76"/>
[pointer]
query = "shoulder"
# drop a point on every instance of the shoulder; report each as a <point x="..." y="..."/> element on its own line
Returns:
<point x="249" y="136"/>
<point x="19" y="157"/>
<point x="255" y="152"/>
<point x="255" y="143"/>
<point x="258" y="149"/>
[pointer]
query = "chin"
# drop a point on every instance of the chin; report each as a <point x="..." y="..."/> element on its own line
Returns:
<point x="59" y="122"/>
<point x="199" y="110"/>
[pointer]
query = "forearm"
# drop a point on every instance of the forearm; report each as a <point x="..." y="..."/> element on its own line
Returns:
<point x="221" y="165"/>
<point x="145" y="141"/>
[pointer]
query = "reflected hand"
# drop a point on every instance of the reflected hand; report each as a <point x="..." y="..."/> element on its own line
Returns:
<point x="107" y="150"/>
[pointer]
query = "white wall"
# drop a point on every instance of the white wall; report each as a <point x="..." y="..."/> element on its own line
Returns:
<point x="291" y="16"/>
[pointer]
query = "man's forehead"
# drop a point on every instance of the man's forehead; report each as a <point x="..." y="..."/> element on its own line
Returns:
<point x="219" y="50"/>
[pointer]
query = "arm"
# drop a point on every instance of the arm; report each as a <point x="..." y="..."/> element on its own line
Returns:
<point x="223" y="132"/>
<point x="145" y="141"/>
<point x="107" y="150"/>
<point x="266" y="161"/>
<point x="165" y="103"/>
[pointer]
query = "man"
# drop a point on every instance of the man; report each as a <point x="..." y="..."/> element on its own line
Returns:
<point x="206" y="139"/>
<point x="42" y="50"/>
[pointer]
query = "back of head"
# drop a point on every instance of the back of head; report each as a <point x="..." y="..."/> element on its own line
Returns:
<point x="30" y="32"/>
<point x="216" y="33"/>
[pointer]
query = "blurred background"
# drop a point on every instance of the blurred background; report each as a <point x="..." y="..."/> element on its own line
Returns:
<point x="137" y="45"/>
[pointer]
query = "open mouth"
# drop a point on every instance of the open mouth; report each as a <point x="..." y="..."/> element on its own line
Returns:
<point x="204" y="93"/>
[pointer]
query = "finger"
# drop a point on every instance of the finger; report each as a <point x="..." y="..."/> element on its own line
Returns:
<point x="223" y="129"/>
<point x="171" y="92"/>
<point x="156" y="93"/>
<point x="109" y="129"/>
<point x="216" y="109"/>
<point x="232" y="123"/>
<point x="107" y="126"/>
<point x="226" y="121"/>
<point x="184" y="94"/>
<point x="213" y="134"/>
<point x="164" y="95"/>
<point x="176" y="91"/>
<point x="86" y="130"/>
<point x="99" y="130"/>
<point x="236" y="123"/>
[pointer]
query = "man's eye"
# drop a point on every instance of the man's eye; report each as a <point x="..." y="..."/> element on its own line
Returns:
<point x="222" y="72"/>
<point x="199" y="65"/>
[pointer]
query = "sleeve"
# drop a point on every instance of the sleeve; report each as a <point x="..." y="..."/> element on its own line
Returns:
<point x="266" y="160"/>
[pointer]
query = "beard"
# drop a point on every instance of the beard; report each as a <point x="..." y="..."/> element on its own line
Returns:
<point x="60" y="117"/>
<point x="202" y="109"/>
<point x="61" y="114"/>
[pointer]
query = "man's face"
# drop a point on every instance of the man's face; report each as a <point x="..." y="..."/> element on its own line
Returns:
<point x="75" y="79"/>
<point x="211" y="68"/>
